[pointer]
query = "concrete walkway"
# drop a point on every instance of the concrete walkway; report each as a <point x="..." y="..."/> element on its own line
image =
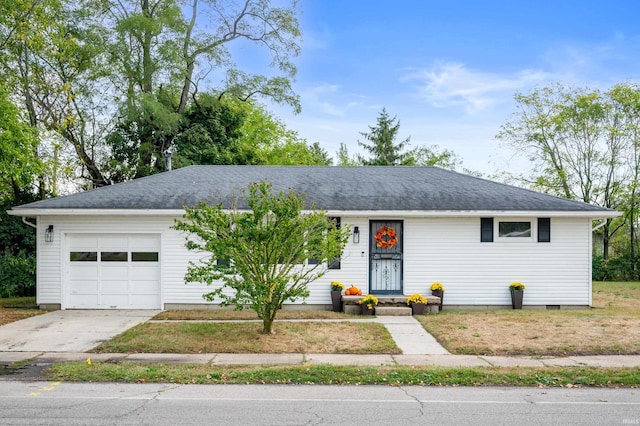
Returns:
<point x="411" y="337"/>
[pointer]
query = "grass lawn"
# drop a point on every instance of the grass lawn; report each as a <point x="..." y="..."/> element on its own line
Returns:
<point x="355" y="337"/>
<point x="17" y="308"/>
<point x="247" y="314"/>
<point x="331" y="375"/>
<point x="611" y="326"/>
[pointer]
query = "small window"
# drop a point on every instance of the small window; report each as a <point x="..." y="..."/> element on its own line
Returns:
<point x="144" y="256"/>
<point x="335" y="263"/>
<point x="83" y="256"/>
<point x="486" y="229"/>
<point x="223" y="262"/>
<point x="114" y="256"/>
<point x="514" y="230"/>
<point x="544" y="230"/>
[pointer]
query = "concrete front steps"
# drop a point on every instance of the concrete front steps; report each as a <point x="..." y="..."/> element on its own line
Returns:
<point x="394" y="311"/>
<point x="389" y="305"/>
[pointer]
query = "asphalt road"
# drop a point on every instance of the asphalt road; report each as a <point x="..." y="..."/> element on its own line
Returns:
<point x="38" y="403"/>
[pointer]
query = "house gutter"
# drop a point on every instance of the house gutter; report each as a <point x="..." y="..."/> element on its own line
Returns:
<point x="595" y="215"/>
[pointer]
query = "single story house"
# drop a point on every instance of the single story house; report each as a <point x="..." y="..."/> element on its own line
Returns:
<point x="114" y="247"/>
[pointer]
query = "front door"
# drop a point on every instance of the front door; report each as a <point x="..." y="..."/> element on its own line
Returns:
<point x="385" y="248"/>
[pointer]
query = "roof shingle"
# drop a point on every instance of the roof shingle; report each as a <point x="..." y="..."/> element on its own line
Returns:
<point x="328" y="187"/>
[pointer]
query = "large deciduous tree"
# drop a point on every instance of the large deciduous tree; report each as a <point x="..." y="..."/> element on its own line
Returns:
<point x="579" y="141"/>
<point x="113" y="83"/>
<point x="163" y="50"/>
<point x="260" y="254"/>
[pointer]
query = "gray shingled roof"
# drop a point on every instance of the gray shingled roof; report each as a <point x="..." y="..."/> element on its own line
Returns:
<point x="330" y="188"/>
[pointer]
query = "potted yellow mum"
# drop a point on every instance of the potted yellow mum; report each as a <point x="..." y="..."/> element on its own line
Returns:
<point x="336" y="295"/>
<point x="517" y="292"/>
<point x="437" y="289"/>
<point x="367" y="304"/>
<point x="418" y="303"/>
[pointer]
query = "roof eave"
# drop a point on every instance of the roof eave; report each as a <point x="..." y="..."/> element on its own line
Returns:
<point x="593" y="214"/>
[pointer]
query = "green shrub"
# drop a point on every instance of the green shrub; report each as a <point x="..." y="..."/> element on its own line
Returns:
<point x="17" y="275"/>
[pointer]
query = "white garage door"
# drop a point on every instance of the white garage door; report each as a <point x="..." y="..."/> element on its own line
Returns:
<point x="113" y="271"/>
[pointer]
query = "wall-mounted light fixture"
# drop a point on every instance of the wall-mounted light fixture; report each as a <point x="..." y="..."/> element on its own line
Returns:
<point x="356" y="235"/>
<point x="48" y="234"/>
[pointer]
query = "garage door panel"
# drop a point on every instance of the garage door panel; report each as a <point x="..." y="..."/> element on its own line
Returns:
<point x="114" y="301"/>
<point x="85" y="301"/>
<point x="83" y="287"/>
<point x="114" y="272"/>
<point x="114" y="287"/>
<point x="82" y="272"/>
<point x="146" y="273"/>
<point x="144" y="287"/>
<point x="107" y="271"/>
<point x="145" y="242"/>
<point x="145" y="301"/>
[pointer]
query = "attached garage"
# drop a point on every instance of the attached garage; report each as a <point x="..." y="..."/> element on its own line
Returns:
<point x="113" y="271"/>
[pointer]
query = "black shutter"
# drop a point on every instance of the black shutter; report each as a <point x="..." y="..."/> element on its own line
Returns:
<point x="335" y="262"/>
<point x="544" y="230"/>
<point x="486" y="229"/>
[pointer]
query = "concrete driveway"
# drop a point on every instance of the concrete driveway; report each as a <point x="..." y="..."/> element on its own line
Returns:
<point x="69" y="330"/>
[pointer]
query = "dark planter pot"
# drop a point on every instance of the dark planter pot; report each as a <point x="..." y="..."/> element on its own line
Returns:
<point x="418" y="308"/>
<point x="439" y="294"/>
<point x="516" y="298"/>
<point x="336" y="300"/>
<point x="365" y="310"/>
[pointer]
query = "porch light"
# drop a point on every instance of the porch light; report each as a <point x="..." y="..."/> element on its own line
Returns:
<point x="356" y="235"/>
<point x="48" y="234"/>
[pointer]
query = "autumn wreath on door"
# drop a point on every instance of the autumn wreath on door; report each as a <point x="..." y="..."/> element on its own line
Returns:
<point x="386" y="237"/>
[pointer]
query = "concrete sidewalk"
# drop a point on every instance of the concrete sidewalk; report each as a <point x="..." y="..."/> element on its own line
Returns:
<point x="219" y="359"/>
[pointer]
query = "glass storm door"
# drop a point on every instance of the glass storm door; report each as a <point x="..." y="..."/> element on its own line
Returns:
<point x="385" y="248"/>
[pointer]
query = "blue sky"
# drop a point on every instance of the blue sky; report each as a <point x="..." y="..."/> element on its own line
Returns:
<point x="449" y="69"/>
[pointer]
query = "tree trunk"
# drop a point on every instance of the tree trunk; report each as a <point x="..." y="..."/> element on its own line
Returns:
<point x="267" y="326"/>
<point x="605" y="239"/>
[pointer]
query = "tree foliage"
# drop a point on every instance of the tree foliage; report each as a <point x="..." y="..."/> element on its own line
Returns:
<point x="112" y="85"/>
<point x="383" y="149"/>
<point x="19" y="162"/>
<point x="261" y="254"/>
<point x="584" y="146"/>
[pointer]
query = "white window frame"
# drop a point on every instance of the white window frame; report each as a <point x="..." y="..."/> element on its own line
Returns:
<point x="531" y="238"/>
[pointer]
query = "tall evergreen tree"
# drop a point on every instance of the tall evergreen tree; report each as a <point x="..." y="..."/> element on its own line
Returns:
<point x="383" y="149"/>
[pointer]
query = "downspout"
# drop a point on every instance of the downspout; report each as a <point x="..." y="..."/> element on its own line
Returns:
<point x="595" y="228"/>
<point x="26" y="222"/>
<point x="604" y="222"/>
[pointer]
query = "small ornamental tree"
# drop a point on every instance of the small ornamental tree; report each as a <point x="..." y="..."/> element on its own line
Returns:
<point x="261" y="254"/>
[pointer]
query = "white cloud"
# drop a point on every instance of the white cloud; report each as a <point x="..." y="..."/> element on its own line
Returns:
<point x="454" y="85"/>
<point x="329" y="99"/>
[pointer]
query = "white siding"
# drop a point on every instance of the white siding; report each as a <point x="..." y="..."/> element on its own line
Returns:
<point x="474" y="273"/>
<point x="435" y="249"/>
